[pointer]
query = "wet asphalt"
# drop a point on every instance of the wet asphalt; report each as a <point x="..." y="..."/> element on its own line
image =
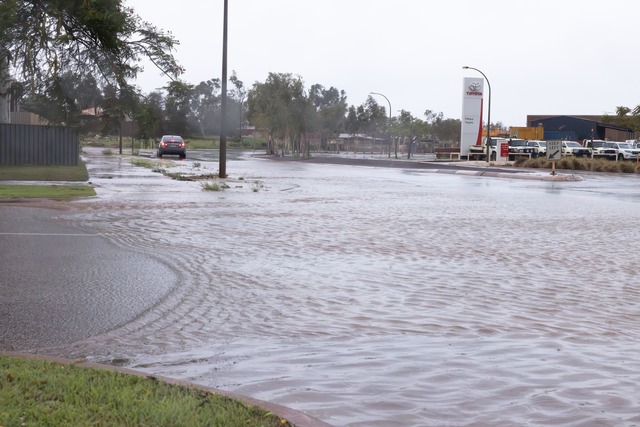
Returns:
<point x="59" y="284"/>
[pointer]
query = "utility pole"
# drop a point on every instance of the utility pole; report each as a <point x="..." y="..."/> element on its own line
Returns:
<point x="223" y="103"/>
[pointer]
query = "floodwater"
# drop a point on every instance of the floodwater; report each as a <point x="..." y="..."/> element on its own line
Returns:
<point x="384" y="297"/>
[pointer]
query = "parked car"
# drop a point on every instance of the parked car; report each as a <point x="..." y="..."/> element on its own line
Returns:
<point x="573" y="148"/>
<point x="539" y="147"/>
<point x="599" y="149"/>
<point x="624" y="150"/>
<point x="172" y="144"/>
<point x="634" y="142"/>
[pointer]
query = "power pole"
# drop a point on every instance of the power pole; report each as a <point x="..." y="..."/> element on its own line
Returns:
<point x="223" y="104"/>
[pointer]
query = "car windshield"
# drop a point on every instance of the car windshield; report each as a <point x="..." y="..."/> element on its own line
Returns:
<point x="573" y="144"/>
<point x="625" y="146"/>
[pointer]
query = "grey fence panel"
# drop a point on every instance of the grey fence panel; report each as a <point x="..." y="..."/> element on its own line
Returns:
<point x="38" y="145"/>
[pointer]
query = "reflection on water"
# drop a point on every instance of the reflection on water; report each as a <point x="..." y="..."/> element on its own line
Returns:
<point x="379" y="297"/>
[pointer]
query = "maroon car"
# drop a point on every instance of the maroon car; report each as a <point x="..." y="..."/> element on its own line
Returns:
<point x="172" y="144"/>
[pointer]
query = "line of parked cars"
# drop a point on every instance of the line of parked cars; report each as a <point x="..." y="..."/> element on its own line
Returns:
<point x="613" y="150"/>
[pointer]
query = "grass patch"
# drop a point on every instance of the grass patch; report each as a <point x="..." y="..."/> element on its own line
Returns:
<point x="44" y="173"/>
<point x="149" y="164"/>
<point x="45" y="191"/>
<point x="35" y="392"/>
<point x="213" y="186"/>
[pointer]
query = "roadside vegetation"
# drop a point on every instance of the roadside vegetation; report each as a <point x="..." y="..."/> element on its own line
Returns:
<point x="208" y="181"/>
<point x="37" y="392"/>
<point x="44" y="173"/>
<point x="45" y="191"/>
<point x="582" y="164"/>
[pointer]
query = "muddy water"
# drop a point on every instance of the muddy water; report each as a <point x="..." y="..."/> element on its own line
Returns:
<point x="384" y="297"/>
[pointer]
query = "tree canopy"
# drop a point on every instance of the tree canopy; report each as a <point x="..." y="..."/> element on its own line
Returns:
<point x="44" y="40"/>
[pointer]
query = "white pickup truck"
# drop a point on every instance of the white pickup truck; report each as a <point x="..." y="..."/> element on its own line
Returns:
<point x="480" y="151"/>
<point x="599" y="148"/>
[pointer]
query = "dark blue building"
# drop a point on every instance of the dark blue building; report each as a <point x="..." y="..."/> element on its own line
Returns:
<point x="578" y="128"/>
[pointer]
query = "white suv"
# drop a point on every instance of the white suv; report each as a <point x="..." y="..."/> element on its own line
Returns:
<point x="624" y="150"/>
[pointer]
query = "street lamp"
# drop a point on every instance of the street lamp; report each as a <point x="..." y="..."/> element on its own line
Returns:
<point x="488" y="109"/>
<point x="376" y="93"/>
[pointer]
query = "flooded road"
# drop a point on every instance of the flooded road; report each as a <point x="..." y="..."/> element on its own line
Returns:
<point x="384" y="297"/>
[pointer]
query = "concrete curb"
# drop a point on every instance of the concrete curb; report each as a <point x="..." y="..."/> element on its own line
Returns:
<point x="299" y="419"/>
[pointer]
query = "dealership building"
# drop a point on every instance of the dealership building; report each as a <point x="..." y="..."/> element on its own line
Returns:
<point x="578" y="128"/>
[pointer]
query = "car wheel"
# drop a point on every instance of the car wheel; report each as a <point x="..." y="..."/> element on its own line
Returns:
<point x="159" y="155"/>
<point x="620" y="157"/>
<point x="493" y="156"/>
<point x="183" y="156"/>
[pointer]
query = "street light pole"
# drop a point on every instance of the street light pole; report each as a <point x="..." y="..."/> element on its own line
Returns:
<point x="488" y="109"/>
<point x="376" y="93"/>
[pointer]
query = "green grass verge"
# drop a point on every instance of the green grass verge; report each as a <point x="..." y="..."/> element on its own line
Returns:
<point x="44" y="173"/>
<point x="42" y="393"/>
<point x="45" y="191"/>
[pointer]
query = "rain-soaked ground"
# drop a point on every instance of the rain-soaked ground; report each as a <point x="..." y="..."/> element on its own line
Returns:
<point x="383" y="297"/>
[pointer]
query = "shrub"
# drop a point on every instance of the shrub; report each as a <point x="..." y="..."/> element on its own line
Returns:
<point x="628" y="167"/>
<point x="213" y="185"/>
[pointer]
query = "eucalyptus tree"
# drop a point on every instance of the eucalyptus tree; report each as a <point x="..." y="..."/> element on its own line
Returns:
<point x="42" y="39"/>
<point x="149" y="115"/>
<point x="411" y="129"/>
<point x="352" y="125"/>
<point x="237" y="95"/>
<point x="281" y="106"/>
<point x="204" y="108"/>
<point x="177" y="107"/>
<point x="447" y="130"/>
<point x="330" y="108"/>
<point x="119" y="103"/>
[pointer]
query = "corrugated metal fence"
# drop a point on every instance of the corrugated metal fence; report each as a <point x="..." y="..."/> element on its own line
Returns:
<point x="38" y="145"/>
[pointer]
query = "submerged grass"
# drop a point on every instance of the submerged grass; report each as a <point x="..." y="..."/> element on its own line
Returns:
<point x="159" y="167"/>
<point x="37" y="392"/>
<point x="213" y="185"/>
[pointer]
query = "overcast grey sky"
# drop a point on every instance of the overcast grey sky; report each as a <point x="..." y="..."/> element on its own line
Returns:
<point x="544" y="57"/>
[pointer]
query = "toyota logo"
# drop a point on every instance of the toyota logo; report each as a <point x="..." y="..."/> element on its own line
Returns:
<point x="475" y="86"/>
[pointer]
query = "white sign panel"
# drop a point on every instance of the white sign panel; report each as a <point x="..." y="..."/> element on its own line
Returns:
<point x="554" y="150"/>
<point x="472" y="90"/>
